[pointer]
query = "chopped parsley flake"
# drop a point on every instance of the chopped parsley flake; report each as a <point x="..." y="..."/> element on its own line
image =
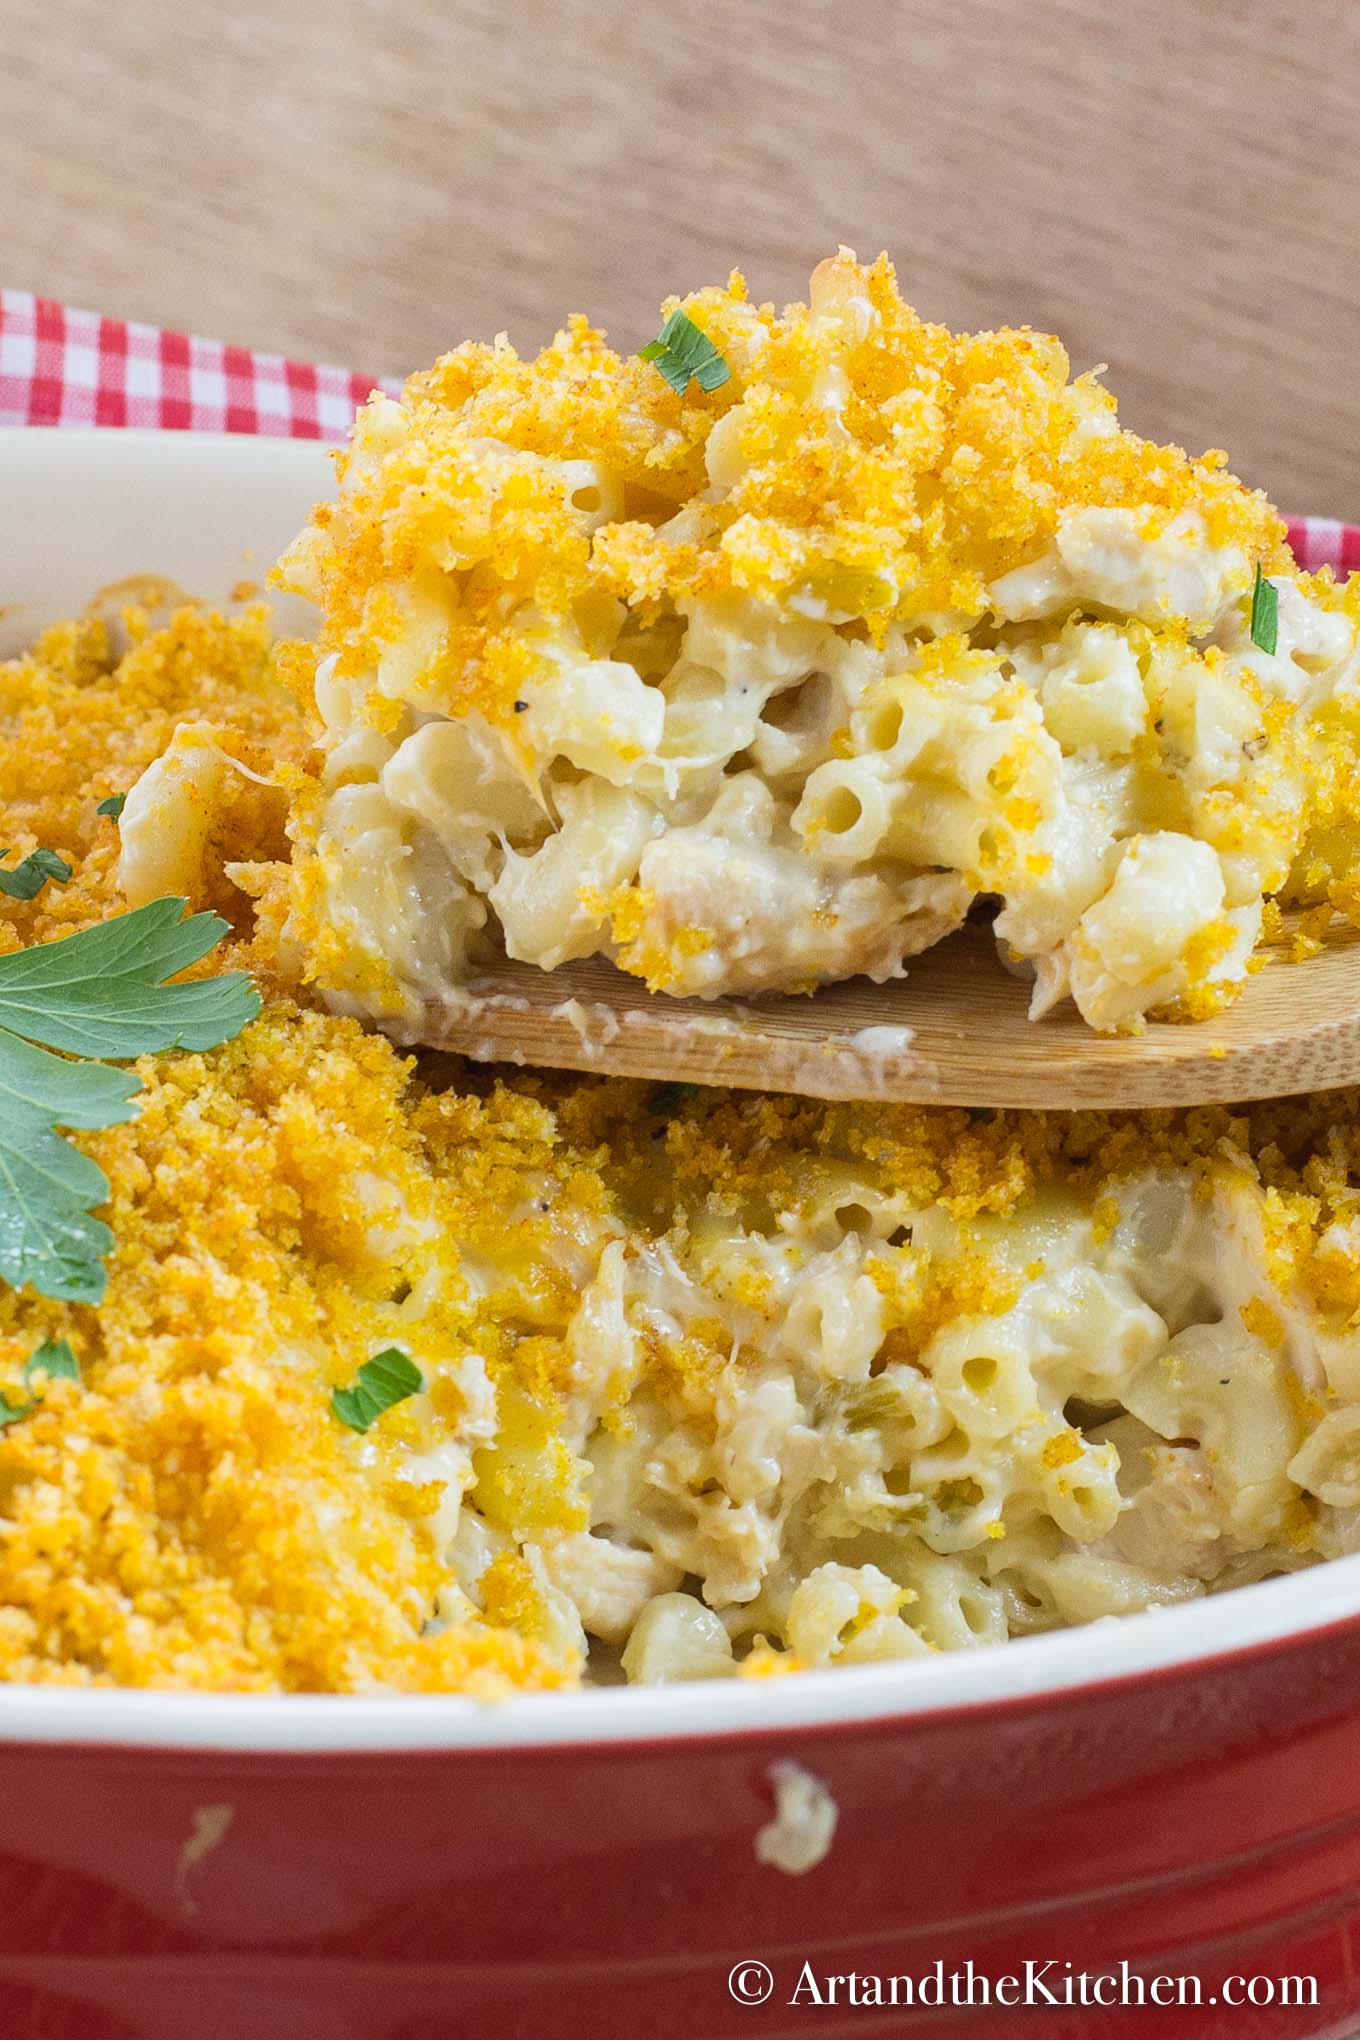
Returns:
<point x="682" y="350"/>
<point x="53" y="1361"/>
<point x="113" y="806"/>
<point x="382" y="1382"/>
<point x="27" y="880"/>
<point x="1265" y="613"/>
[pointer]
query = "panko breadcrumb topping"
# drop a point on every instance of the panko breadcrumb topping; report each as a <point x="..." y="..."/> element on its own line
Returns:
<point x="191" y="1513"/>
<point x="938" y="462"/>
<point x="710" y="1383"/>
<point x="758" y="682"/>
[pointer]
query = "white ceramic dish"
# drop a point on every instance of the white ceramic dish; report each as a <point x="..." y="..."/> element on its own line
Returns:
<point x="83" y="510"/>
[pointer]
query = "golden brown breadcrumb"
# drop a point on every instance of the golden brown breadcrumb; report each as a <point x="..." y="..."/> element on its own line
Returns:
<point x="948" y="460"/>
<point x="192" y="1513"/>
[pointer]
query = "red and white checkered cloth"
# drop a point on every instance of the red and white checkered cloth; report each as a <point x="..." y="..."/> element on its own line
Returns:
<point x="1322" y="542"/>
<point x="64" y="367"/>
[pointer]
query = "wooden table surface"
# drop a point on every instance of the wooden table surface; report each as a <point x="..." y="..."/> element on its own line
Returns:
<point x="1174" y="186"/>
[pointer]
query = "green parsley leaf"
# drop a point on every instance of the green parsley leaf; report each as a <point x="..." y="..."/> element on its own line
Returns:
<point x="27" y="880"/>
<point x="100" y="993"/>
<point x="1265" y="613"/>
<point x="113" y="806"/>
<point x="682" y="350"/>
<point x="42" y="1087"/>
<point x="95" y="994"/>
<point x="382" y="1382"/>
<point x="53" y="1361"/>
<point x="47" y="1187"/>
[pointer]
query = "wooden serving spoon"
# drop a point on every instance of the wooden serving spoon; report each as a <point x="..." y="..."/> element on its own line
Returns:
<point x="955" y="1031"/>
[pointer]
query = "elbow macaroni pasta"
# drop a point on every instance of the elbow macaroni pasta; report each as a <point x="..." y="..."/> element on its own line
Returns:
<point x="869" y="1415"/>
<point x="713" y="1385"/>
<point x="756" y="689"/>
